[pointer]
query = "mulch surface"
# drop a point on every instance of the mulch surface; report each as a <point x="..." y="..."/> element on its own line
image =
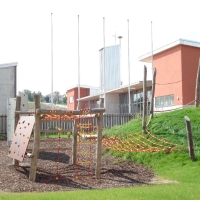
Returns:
<point x="56" y="173"/>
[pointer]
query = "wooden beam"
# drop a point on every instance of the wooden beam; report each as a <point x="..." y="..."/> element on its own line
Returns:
<point x="56" y="131"/>
<point x="144" y="101"/>
<point x="52" y="149"/>
<point x="35" y="152"/>
<point x="99" y="146"/>
<point x="190" y="140"/>
<point x="74" y="143"/>
<point x="18" y="107"/>
<point x="153" y="93"/>
<point x="53" y="140"/>
<point x="24" y="113"/>
<point x="70" y="112"/>
<point x="56" y="120"/>
<point x="197" y="86"/>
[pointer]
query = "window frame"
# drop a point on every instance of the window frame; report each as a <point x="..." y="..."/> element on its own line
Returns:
<point x="164" y="101"/>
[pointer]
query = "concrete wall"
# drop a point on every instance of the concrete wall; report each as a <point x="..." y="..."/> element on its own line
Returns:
<point x="7" y="85"/>
<point x="112" y="103"/>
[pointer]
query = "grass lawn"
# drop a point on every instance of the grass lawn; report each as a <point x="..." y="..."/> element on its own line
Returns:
<point x="175" y="166"/>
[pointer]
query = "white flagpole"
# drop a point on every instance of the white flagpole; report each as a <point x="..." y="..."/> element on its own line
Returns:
<point x="129" y="90"/>
<point x="104" y="71"/>
<point x="152" y="49"/>
<point x="52" y="60"/>
<point x="78" y="107"/>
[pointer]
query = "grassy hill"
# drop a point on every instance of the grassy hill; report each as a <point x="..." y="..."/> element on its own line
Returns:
<point x="171" y="127"/>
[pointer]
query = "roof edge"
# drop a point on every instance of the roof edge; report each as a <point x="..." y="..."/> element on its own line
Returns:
<point x="13" y="64"/>
<point x="147" y="57"/>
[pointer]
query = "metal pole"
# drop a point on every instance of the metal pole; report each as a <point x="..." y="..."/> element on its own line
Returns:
<point x="144" y="100"/>
<point x="129" y="89"/>
<point x="151" y="49"/>
<point x="78" y="106"/>
<point x="104" y="62"/>
<point x="52" y="60"/>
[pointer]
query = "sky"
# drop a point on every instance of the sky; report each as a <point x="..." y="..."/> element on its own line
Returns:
<point x="25" y="37"/>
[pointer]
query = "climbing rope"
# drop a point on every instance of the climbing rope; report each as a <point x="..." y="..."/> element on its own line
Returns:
<point x="141" y="143"/>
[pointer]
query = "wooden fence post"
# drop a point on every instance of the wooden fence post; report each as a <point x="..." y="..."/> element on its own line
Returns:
<point x="99" y="145"/>
<point x="144" y="100"/>
<point x="153" y="92"/>
<point x="197" y="86"/>
<point x="36" y="144"/>
<point x="18" y="107"/>
<point x="74" y="143"/>
<point x="190" y="140"/>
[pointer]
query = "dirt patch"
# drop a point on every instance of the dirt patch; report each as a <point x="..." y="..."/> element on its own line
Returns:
<point x="56" y="173"/>
<point x="158" y="180"/>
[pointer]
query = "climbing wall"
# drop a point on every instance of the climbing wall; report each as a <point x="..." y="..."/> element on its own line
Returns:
<point x="11" y="105"/>
<point x="21" y="137"/>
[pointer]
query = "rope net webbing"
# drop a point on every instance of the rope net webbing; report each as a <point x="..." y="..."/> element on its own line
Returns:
<point x="141" y="143"/>
<point x="84" y="147"/>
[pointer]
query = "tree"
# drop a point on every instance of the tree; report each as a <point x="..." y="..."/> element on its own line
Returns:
<point x="41" y="96"/>
<point x="32" y="94"/>
<point x="46" y="98"/>
<point x="29" y="93"/>
<point x="65" y="99"/>
<point x="56" y="97"/>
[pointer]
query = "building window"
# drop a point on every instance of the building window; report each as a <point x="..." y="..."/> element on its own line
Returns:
<point x="71" y="99"/>
<point x="164" y="101"/>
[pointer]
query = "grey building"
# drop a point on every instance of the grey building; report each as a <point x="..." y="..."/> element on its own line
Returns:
<point x="8" y="84"/>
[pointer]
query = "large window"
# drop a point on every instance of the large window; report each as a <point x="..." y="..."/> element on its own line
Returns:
<point x="136" y="97"/>
<point x="164" y="101"/>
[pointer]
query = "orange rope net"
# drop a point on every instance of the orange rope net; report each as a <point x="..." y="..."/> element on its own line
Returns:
<point x="141" y="143"/>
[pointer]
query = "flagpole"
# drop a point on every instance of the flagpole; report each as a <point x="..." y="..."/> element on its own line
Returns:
<point x="152" y="49"/>
<point x="78" y="107"/>
<point x="52" y="60"/>
<point x="129" y="90"/>
<point x="104" y="61"/>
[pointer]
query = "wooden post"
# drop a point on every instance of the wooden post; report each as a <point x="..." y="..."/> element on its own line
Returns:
<point x="36" y="144"/>
<point x="144" y="100"/>
<point x="99" y="145"/>
<point x="74" y="143"/>
<point x="18" y="107"/>
<point x="153" y="92"/>
<point x="197" y="86"/>
<point x="190" y="140"/>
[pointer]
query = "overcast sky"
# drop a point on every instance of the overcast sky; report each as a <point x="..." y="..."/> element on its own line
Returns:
<point x="25" y="36"/>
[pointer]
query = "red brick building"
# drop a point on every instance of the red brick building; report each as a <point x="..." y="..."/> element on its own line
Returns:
<point x="176" y="66"/>
<point x="72" y="96"/>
